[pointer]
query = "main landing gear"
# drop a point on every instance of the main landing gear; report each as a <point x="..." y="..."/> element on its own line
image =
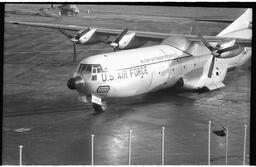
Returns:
<point x="100" y="108"/>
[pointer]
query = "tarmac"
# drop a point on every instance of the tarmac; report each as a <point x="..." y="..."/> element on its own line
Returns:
<point x="54" y="127"/>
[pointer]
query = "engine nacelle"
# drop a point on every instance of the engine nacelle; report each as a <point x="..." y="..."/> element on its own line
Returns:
<point x="129" y="41"/>
<point x="226" y="44"/>
<point x="88" y="37"/>
<point x="125" y="40"/>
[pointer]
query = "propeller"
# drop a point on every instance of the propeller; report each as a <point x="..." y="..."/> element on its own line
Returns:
<point x="216" y="52"/>
<point x="74" y="38"/>
<point x="115" y="42"/>
<point x="227" y="49"/>
<point x="74" y="48"/>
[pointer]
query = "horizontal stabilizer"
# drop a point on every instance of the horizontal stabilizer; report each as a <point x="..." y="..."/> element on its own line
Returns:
<point x="215" y="85"/>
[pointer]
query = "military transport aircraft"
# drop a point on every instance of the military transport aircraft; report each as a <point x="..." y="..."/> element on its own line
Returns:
<point x="186" y="61"/>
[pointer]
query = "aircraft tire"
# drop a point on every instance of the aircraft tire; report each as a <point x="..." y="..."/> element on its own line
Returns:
<point x="103" y="106"/>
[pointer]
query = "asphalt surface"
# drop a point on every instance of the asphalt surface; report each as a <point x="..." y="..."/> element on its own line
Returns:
<point x="43" y="115"/>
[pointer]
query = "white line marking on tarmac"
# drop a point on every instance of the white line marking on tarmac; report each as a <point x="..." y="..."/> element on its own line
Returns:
<point x="53" y="51"/>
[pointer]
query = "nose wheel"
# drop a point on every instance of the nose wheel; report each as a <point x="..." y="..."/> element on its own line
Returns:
<point x="100" y="108"/>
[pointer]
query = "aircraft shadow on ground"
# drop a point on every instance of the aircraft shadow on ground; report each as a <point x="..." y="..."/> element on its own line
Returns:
<point x="161" y="96"/>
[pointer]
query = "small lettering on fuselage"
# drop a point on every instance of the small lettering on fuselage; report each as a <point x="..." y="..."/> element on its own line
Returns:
<point x="125" y="73"/>
<point x="156" y="59"/>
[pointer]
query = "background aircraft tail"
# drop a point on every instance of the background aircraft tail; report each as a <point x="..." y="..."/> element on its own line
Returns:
<point x="240" y="28"/>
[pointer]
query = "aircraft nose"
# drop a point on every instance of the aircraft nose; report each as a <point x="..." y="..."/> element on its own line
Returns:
<point x="75" y="83"/>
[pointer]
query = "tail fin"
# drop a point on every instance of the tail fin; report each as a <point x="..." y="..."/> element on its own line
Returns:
<point x="240" y="28"/>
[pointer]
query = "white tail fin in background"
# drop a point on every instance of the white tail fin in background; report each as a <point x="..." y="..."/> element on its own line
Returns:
<point x="240" y="28"/>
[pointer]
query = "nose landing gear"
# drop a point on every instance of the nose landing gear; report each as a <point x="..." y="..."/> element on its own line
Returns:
<point x="100" y="108"/>
<point x="99" y="105"/>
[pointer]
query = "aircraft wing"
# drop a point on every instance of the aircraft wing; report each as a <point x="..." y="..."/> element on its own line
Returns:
<point x="149" y="36"/>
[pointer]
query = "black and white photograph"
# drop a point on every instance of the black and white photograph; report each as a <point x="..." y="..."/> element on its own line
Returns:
<point x="126" y="84"/>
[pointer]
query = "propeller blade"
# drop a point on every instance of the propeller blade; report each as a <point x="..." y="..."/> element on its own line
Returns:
<point x="206" y="43"/>
<point x="65" y="33"/>
<point x="120" y="36"/>
<point x="228" y="49"/>
<point x="211" y="67"/>
<point x="74" y="47"/>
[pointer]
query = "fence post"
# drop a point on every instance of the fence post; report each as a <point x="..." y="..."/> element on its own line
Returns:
<point x="226" y="148"/>
<point x="20" y="154"/>
<point x="245" y="128"/>
<point x="130" y="147"/>
<point x="92" y="143"/>
<point x="209" y="143"/>
<point x="163" y="129"/>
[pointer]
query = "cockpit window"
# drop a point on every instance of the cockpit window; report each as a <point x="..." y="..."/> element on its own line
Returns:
<point x="96" y="68"/>
<point x="86" y="68"/>
<point x="82" y="67"/>
<point x="90" y="68"/>
<point x="99" y="70"/>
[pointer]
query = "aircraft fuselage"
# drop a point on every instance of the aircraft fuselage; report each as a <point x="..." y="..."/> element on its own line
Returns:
<point x="138" y="71"/>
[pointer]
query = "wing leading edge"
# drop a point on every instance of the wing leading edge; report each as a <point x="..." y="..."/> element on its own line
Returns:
<point x="149" y="36"/>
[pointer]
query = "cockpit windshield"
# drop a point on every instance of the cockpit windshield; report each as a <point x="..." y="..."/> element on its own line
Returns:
<point x="85" y="68"/>
<point x="89" y="68"/>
